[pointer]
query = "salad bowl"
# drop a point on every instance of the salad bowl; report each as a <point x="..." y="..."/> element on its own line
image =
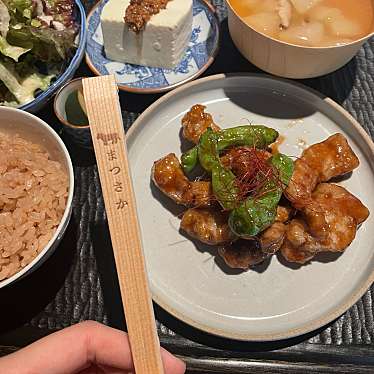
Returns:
<point x="41" y="82"/>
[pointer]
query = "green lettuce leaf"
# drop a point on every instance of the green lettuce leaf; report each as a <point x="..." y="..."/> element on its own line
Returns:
<point x="11" y="51"/>
<point x="24" y="7"/>
<point x="46" y="44"/>
<point x="23" y="89"/>
<point x="61" y="41"/>
<point x="4" y="19"/>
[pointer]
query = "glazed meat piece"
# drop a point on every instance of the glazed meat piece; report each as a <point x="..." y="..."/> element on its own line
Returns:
<point x="246" y="162"/>
<point x="168" y="176"/>
<point x="304" y="180"/>
<point x="195" y="122"/>
<point x="337" y="197"/>
<point x="272" y="238"/>
<point x="299" y="246"/>
<point x="202" y="194"/>
<point x="320" y="163"/>
<point x="333" y="216"/>
<point x="284" y="213"/>
<point x="242" y="254"/>
<point x="331" y="158"/>
<point x="328" y="223"/>
<point x="207" y="225"/>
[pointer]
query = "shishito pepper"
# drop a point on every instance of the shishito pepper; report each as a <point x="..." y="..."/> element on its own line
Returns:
<point x="223" y="179"/>
<point x="207" y="150"/>
<point x="189" y="160"/>
<point x="256" y="214"/>
<point x="258" y="136"/>
<point x="224" y="187"/>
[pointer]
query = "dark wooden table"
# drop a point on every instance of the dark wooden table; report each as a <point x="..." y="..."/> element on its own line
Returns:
<point x="79" y="282"/>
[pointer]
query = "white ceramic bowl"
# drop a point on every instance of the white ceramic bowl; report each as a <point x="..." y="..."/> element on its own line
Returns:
<point x="285" y="59"/>
<point x="31" y="128"/>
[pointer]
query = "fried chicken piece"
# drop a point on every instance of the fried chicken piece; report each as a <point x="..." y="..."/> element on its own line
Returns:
<point x="284" y="213"/>
<point x="333" y="216"/>
<point x="202" y="194"/>
<point x="245" y="162"/>
<point x="337" y="196"/>
<point x="320" y="163"/>
<point x="207" y="225"/>
<point x="211" y="227"/>
<point x="272" y="238"/>
<point x="299" y="246"/>
<point x="331" y="158"/>
<point x="328" y="224"/>
<point x="195" y="122"/>
<point x="242" y="254"/>
<point x="304" y="180"/>
<point x="168" y="176"/>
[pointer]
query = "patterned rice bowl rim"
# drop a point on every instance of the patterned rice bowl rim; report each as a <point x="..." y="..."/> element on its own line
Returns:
<point x="199" y="56"/>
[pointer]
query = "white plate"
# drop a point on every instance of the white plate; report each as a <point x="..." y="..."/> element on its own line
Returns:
<point x="281" y="301"/>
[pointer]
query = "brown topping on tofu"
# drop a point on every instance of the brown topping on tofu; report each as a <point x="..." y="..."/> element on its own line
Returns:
<point x="139" y="12"/>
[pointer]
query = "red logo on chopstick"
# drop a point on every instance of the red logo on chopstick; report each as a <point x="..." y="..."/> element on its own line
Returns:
<point x="107" y="139"/>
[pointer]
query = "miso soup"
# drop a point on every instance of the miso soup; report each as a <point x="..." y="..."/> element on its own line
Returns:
<point x="314" y="23"/>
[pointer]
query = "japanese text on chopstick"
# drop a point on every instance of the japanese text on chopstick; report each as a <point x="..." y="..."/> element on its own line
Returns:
<point x="111" y="140"/>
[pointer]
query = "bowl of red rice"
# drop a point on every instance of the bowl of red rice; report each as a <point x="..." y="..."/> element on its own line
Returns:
<point x="36" y="192"/>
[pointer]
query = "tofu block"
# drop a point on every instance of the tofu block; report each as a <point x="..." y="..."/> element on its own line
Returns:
<point x="161" y="44"/>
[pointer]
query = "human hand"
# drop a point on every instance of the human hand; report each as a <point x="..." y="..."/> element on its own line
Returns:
<point x="85" y="348"/>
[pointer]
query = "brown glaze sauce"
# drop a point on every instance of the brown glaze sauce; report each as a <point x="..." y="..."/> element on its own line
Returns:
<point x="275" y="146"/>
<point x="139" y="12"/>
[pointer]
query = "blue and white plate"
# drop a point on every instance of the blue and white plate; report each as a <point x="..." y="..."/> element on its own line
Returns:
<point x="200" y="54"/>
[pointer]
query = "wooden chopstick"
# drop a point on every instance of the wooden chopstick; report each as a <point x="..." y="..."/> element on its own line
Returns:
<point x="108" y="136"/>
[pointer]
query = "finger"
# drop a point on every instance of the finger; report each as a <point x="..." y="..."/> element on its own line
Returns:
<point x="60" y="352"/>
<point x="172" y="365"/>
<point x="108" y="351"/>
<point x="74" y="349"/>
